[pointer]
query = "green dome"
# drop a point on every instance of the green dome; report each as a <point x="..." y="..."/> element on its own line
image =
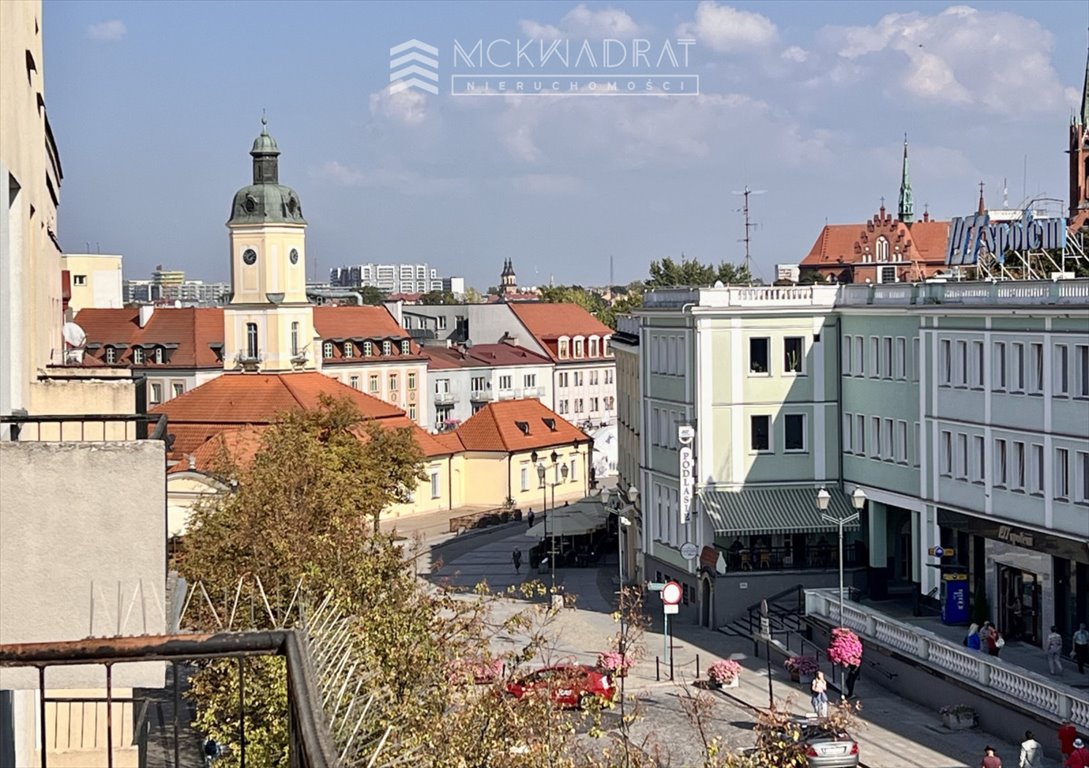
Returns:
<point x="266" y="203"/>
<point x="266" y="200"/>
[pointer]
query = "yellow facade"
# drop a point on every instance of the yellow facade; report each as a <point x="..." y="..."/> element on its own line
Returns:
<point x="270" y="299"/>
<point x="94" y="280"/>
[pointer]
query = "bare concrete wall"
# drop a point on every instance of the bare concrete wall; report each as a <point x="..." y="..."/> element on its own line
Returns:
<point x="82" y="551"/>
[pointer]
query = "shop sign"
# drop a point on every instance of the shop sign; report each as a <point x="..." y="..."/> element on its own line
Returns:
<point x="1011" y="535"/>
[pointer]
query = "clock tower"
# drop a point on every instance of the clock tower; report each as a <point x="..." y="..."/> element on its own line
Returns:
<point x="269" y="323"/>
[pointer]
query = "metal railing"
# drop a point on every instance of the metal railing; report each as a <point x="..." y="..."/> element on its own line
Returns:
<point x="86" y="427"/>
<point x="786" y="559"/>
<point x="310" y="742"/>
<point x="967" y="293"/>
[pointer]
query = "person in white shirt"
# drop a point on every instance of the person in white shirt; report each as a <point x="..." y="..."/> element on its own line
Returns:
<point x="1054" y="648"/>
<point x="1032" y="754"/>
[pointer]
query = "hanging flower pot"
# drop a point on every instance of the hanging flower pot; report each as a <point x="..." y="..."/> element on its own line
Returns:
<point x="845" y="649"/>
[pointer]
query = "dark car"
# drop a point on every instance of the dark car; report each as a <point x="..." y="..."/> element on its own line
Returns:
<point x="567" y="685"/>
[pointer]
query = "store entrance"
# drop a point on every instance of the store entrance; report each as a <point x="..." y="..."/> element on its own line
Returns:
<point x="1019" y="604"/>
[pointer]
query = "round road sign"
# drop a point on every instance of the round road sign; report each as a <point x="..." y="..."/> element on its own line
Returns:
<point x="671" y="593"/>
<point x="689" y="551"/>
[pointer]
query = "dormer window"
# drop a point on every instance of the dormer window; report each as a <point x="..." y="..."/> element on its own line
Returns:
<point x="327" y="350"/>
<point x="137" y="356"/>
<point x="387" y="348"/>
<point x="368" y="349"/>
<point x="579" y="348"/>
<point x="594" y="342"/>
<point x="564" y="347"/>
<point x="158" y="355"/>
<point x="111" y="355"/>
<point x="605" y="347"/>
<point x="406" y="347"/>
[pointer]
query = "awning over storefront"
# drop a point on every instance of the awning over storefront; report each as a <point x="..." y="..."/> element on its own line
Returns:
<point x="586" y="516"/>
<point x="774" y="510"/>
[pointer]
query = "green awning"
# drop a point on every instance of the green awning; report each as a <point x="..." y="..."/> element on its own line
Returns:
<point x="774" y="510"/>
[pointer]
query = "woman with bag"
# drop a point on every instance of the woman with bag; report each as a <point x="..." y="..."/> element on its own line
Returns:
<point x="820" y="695"/>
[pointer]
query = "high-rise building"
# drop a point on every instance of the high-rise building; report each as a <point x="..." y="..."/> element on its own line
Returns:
<point x="391" y="278"/>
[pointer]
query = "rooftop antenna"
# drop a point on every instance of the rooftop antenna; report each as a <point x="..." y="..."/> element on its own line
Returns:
<point x="611" y="281"/>
<point x="749" y="225"/>
<point x="1005" y="193"/>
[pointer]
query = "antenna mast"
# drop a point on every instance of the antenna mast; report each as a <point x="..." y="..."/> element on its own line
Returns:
<point x="749" y="225"/>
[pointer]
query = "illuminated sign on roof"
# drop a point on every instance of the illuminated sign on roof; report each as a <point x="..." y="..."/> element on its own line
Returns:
<point x="1002" y="234"/>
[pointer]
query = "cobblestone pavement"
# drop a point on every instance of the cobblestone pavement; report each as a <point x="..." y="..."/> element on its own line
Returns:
<point x="893" y="733"/>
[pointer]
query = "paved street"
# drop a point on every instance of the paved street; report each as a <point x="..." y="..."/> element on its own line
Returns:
<point x="893" y="732"/>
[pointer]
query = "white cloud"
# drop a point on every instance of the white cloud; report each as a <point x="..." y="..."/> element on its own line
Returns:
<point x="724" y="28"/>
<point x="107" y="31"/>
<point x="585" y="23"/>
<point x="406" y="181"/>
<point x="996" y="61"/>
<point x="795" y="54"/>
<point x="408" y="107"/>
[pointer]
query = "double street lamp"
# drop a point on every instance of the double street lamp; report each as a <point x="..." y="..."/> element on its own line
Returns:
<point x="550" y="524"/>
<point x="858" y="500"/>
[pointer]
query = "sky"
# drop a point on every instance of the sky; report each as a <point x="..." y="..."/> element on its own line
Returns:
<point x="155" y="105"/>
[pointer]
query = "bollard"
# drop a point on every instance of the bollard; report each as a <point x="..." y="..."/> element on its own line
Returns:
<point x="697" y="666"/>
<point x="657" y="669"/>
<point x="671" y="666"/>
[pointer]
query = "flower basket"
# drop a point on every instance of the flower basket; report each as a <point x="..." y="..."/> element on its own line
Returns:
<point x="802" y="668"/>
<point x="958" y="717"/>
<point x="724" y="674"/>
<point x="614" y="663"/>
<point x="845" y="648"/>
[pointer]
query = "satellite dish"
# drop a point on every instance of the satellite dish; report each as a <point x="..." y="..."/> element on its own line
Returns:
<point x="718" y="284"/>
<point x="75" y="340"/>
<point x="74" y="335"/>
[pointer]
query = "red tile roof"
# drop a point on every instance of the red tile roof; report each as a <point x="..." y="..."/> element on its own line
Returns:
<point x="548" y="322"/>
<point x="495" y="427"/>
<point x="482" y="356"/>
<point x="258" y="398"/>
<point x="839" y="244"/>
<point x="192" y="329"/>
<point x="359" y="324"/>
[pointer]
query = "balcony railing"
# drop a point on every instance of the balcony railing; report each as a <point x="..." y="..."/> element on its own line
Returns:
<point x="86" y="427"/>
<point x="1003" y="680"/>
<point x="481" y="396"/>
<point x="509" y="394"/>
<point x="967" y="293"/>
<point x="444" y="398"/>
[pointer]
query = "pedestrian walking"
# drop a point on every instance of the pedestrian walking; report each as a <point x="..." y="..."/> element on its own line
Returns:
<point x="1081" y="647"/>
<point x="1032" y="752"/>
<point x="995" y="641"/>
<point x="972" y="638"/>
<point x="819" y="687"/>
<point x="1054" y="649"/>
<point x="516" y="556"/>
<point x="990" y="759"/>
<point x="985" y="637"/>
<point x="529" y="518"/>
<point x="1079" y="758"/>
<point x="1068" y="734"/>
<point x="853" y="672"/>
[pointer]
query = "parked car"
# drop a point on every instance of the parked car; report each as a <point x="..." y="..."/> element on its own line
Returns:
<point x="825" y="746"/>
<point x="567" y="685"/>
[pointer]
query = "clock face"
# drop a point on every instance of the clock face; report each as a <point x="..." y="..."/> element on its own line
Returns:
<point x="294" y="256"/>
<point x="250" y="257"/>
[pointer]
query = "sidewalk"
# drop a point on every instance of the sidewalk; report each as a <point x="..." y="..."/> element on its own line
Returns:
<point x="894" y="732"/>
<point x="1014" y="653"/>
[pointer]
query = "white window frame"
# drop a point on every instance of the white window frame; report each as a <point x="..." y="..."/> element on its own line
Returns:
<point x="1018" y="373"/>
<point x="1081" y="477"/>
<point x="1062" y="474"/>
<point x="860" y="434"/>
<point x="156" y="393"/>
<point x="945" y="454"/>
<point x="436" y="486"/>
<point x="1036" y="373"/>
<point x="1037" y="469"/>
<point x="979" y="459"/>
<point x="961" y="375"/>
<point x="801" y="356"/>
<point x="1081" y="370"/>
<point x="901" y="358"/>
<point x="962" y="456"/>
<point x="848" y="433"/>
<point x="845" y="359"/>
<point x="875" y="355"/>
<point x="1019" y="467"/>
<point x="977" y="373"/>
<point x="902" y="448"/>
<point x="999" y="367"/>
<point x="1061" y="367"/>
<point x="875" y="437"/>
<point x="945" y="362"/>
<point x="767" y="356"/>
<point x="1001" y="463"/>
<point x="886" y="357"/>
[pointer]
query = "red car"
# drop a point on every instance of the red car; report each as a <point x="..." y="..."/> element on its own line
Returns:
<point x="568" y="685"/>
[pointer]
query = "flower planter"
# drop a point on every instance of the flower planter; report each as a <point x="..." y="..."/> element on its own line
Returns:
<point x="734" y="683"/>
<point x="959" y="721"/>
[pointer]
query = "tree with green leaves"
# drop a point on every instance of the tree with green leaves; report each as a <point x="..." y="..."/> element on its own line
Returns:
<point x="689" y="272"/>
<point x="372" y="295"/>
<point x="438" y="297"/>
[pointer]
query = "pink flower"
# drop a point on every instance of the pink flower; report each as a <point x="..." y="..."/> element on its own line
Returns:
<point x="845" y="648"/>
<point x="723" y="671"/>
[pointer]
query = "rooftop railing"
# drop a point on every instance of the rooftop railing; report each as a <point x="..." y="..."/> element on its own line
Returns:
<point x="85" y="427"/>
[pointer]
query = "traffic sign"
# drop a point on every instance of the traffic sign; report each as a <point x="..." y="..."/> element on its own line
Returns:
<point x="689" y="551"/>
<point x="941" y="551"/>
<point x="671" y="593"/>
<point x="655" y="586"/>
<point x="667" y="608"/>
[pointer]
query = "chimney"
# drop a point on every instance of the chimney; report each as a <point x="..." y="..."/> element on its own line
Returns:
<point x="192" y="461"/>
<point x="146" y="310"/>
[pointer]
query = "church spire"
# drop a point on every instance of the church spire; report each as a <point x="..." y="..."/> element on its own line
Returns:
<point x="1085" y="97"/>
<point x="906" y="211"/>
<point x="982" y="209"/>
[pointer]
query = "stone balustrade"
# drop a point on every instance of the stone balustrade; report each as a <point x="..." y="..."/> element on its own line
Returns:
<point x="986" y="672"/>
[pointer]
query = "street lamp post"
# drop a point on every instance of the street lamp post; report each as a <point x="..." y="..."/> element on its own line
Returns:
<point x="858" y="499"/>
<point x="550" y="524"/>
